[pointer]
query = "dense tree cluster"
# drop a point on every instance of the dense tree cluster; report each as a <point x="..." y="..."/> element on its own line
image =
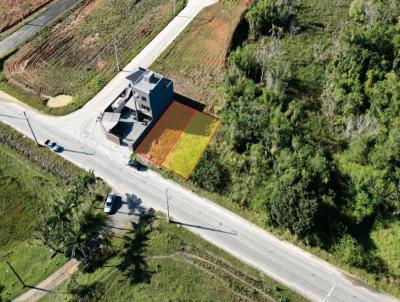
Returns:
<point x="318" y="169"/>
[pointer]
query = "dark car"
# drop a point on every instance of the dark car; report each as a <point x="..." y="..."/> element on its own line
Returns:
<point x="134" y="164"/>
<point x="52" y="145"/>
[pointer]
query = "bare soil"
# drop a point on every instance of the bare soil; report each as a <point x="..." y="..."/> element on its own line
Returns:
<point x="9" y="12"/>
<point x="196" y="60"/>
<point x="59" y="101"/>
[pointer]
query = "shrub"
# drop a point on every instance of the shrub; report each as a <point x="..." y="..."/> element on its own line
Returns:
<point x="349" y="251"/>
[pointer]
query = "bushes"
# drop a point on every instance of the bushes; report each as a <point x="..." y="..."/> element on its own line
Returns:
<point x="349" y="251"/>
<point x="264" y="14"/>
<point x="210" y="174"/>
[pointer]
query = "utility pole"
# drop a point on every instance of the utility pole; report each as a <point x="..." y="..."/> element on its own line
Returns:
<point x="19" y="9"/>
<point x="166" y="195"/>
<point x="16" y="274"/>
<point x="30" y="127"/>
<point x="116" y="54"/>
<point x="174" y="5"/>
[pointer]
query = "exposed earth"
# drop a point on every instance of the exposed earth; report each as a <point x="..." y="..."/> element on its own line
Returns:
<point x="9" y="13"/>
<point x="59" y="101"/>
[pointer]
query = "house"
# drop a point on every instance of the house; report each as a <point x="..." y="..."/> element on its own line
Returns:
<point x="131" y="115"/>
<point x="152" y="94"/>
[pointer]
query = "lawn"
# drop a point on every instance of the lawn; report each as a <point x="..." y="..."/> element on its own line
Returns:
<point x="188" y="150"/>
<point x="162" y="137"/>
<point x="26" y="190"/>
<point x="76" y="56"/>
<point x="165" y="262"/>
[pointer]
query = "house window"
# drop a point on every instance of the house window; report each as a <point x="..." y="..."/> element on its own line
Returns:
<point x="144" y="99"/>
<point x="145" y="107"/>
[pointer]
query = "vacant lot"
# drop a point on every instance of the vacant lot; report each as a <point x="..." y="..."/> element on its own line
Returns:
<point x="196" y="60"/>
<point x="188" y="150"/>
<point x="76" y="56"/>
<point x="164" y="262"/>
<point x="159" y="141"/>
<point x="178" y="140"/>
<point x="10" y="14"/>
<point x="26" y="190"/>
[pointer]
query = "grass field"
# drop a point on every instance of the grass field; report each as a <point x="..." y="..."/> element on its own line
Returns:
<point x="76" y="56"/>
<point x="185" y="154"/>
<point x="159" y="141"/>
<point x="26" y="189"/>
<point x="196" y="59"/>
<point x="165" y="262"/>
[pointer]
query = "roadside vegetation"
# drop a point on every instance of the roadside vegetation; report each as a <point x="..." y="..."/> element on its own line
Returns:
<point x="157" y="261"/>
<point x="76" y="55"/>
<point x="308" y="146"/>
<point x="32" y="179"/>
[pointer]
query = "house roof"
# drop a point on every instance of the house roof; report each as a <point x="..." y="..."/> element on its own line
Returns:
<point x="110" y="120"/>
<point x="145" y="80"/>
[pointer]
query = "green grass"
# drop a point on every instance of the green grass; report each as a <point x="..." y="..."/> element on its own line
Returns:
<point x="166" y="274"/>
<point x="26" y="190"/>
<point x="82" y="66"/>
<point x="386" y="239"/>
<point x="185" y="154"/>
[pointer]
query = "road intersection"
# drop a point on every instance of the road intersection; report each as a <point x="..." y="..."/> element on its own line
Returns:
<point x="86" y="146"/>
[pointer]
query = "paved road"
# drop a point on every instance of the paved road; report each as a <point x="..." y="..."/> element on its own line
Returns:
<point x="86" y="146"/>
<point x="28" y="30"/>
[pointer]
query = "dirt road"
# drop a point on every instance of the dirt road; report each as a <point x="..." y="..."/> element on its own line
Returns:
<point x="50" y="282"/>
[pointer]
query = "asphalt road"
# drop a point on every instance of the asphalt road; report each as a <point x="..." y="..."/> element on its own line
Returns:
<point x="86" y="146"/>
<point x="27" y="31"/>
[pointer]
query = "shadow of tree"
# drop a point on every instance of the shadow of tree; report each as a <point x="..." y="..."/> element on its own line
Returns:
<point x="133" y="263"/>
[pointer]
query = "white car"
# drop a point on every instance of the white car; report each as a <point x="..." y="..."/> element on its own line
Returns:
<point x="108" y="205"/>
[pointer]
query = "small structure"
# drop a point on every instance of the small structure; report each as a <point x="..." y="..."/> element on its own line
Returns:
<point x="132" y="114"/>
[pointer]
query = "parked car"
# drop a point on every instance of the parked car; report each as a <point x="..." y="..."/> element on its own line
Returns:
<point x="134" y="164"/>
<point x="108" y="205"/>
<point x="52" y="145"/>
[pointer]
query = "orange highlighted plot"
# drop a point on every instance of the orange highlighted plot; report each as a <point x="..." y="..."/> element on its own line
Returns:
<point x="188" y="150"/>
<point x="162" y="137"/>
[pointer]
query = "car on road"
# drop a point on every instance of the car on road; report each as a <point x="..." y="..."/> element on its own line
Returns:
<point x="108" y="205"/>
<point x="134" y="164"/>
<point x="52" y="145"/>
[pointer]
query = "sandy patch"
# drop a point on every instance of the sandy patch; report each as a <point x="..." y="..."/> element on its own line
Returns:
<point x="59" y="101"/>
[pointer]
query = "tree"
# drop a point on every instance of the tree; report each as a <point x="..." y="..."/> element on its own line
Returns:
<point x="264" y="14"/>
<point x="299" y="187"/>
<point x="73" y="228"/>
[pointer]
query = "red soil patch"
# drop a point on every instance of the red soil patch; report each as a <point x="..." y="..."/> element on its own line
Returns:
<point x="9" y="13"/>
<point x="160" y="140"/>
